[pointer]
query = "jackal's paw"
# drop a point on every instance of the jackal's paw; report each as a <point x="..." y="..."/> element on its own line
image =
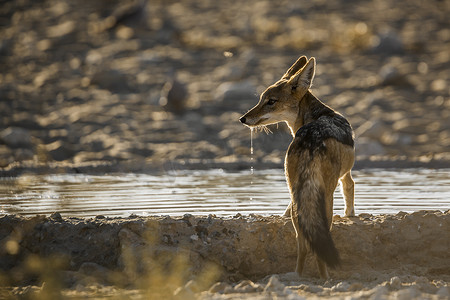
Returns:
<point x="349" y="214"/>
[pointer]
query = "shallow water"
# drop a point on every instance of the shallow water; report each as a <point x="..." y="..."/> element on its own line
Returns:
<point x="212" y="192"/>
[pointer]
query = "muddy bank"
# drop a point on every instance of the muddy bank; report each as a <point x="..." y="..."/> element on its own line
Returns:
<point x="121" y="251"/>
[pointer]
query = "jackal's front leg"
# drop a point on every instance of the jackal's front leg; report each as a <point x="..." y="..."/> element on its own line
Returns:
<point x="348" y="189"/>
<point x="287" y="212"/>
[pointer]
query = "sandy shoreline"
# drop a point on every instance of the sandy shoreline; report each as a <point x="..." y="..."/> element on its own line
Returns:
<point x="400" y="256"/>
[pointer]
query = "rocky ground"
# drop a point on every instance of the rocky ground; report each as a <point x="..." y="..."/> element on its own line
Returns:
<point x="138" y="84"/>
<point x="403" y="256"/>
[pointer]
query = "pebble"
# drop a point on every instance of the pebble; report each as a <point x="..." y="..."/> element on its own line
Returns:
<point x="219" y="287"/>
<point x="235" y="93"/>
<point x="379" y="293"/>
<point x="390" y="75"/>
<point x="91" y="268"/>
<point x="341" y="287"/>
<point x="395" y="283"/>
<point x="59" y="151"/>
<point x="15" y="137"/>
<point x="407" y="294"/>
<point x="174" y="95"/>
<point x="248" y="286"/>
<point x="274" y="285"/>
<point x="368" y="147"/>
<point x="113" y="80"/>
<point x="388" y="43"/>
<point x="444" y="291"/>
<point x="23" y="154"/>
<point x="56" y="217"/>
<point x="184" y="293"/>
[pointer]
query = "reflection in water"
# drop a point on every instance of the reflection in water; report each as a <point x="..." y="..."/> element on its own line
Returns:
<point x="212" y="192"/>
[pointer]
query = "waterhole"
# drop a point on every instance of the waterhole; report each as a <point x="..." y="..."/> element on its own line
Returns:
<point x="215" y="192"/>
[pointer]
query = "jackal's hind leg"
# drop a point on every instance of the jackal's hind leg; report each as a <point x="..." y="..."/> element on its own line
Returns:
<point x="301" y="254"/>
<point x="322" y="268"/>
<point x="301" y="242"/>
<point x="348" y="189"/>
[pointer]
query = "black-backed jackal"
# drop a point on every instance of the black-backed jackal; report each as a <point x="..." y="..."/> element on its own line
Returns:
<point x="321" y="154"/>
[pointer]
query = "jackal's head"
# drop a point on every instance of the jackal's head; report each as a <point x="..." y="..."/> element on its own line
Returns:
<point x="280" y="101"/>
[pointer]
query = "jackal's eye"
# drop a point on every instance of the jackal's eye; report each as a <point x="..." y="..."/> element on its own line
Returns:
<point x="271" y="101"/>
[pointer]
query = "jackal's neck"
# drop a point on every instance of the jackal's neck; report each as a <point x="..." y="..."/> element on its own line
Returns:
<point x="310" y="109"/>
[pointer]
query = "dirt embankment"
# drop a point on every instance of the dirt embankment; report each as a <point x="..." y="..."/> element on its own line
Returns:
<point x="380" y="254"/>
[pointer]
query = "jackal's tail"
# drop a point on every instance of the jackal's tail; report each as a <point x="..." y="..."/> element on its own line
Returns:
<point x="309" y="200"/>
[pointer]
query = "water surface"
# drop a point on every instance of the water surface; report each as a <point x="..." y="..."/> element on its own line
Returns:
<point x="212" y="192"/>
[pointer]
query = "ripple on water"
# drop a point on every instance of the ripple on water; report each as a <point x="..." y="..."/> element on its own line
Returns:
<point x="213" y="192"/>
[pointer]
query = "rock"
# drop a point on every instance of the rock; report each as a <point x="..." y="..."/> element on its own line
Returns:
<point x="356" y="286"/>
<point x="425" y="285"/>
<point x="184" y="293"/>
<point x="230" y="72"/>
<point x="439" y="85"/>
<point x="379" y="292"/>
<point x="131" y="13"/>
<point x="174" y="95"/>
<point x="311" y="288"/>
<point x="388" y="43"/>
<point x="59" y="151"/>
<point x="235" y="94"/>
<point x="56" y="217"/>
<point x="128" y="239"/>
<point x="189" y="290"/>
<point x="113" y="80"/>
<point x="372" y="129"/>
<point x="6" y="156"/>
<point x="390" y="75"/>
<point x="395" y="283"/>
<point x="27" y="292"/>
<point x="237" y="69"/>
<point x="248" y="286"/>
<point x="23" y="154"/>
<point x="443" y="292"/>
<point x="93" y="269"/>
<point x="407" y="294"/>
<point x="341" y="287"/>
<point x="5" y="47"/>
<point x="219" y="287"/>
<point x="368" y="147"/>
<point x="16" y="137"/>
<point x="274" y="285"/>
<point x="61" y="30"/>
<point x="394" y="138"/>
<point x="194" y="286"/>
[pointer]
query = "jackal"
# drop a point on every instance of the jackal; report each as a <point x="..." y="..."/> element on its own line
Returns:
<point x="320" y="154"/>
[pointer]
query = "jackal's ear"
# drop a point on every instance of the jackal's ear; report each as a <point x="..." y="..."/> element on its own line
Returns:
<point x="300" y="63"/>
<point x="305" y="76"/>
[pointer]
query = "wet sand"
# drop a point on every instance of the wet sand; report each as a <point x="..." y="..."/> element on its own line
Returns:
<point x="392" y="256"/>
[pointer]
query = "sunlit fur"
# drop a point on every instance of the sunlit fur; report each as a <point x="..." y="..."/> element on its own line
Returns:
<point x="320" y="155"/>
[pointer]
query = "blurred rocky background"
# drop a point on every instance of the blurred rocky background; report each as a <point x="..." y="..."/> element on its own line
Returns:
<point x="144" y="83"/>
